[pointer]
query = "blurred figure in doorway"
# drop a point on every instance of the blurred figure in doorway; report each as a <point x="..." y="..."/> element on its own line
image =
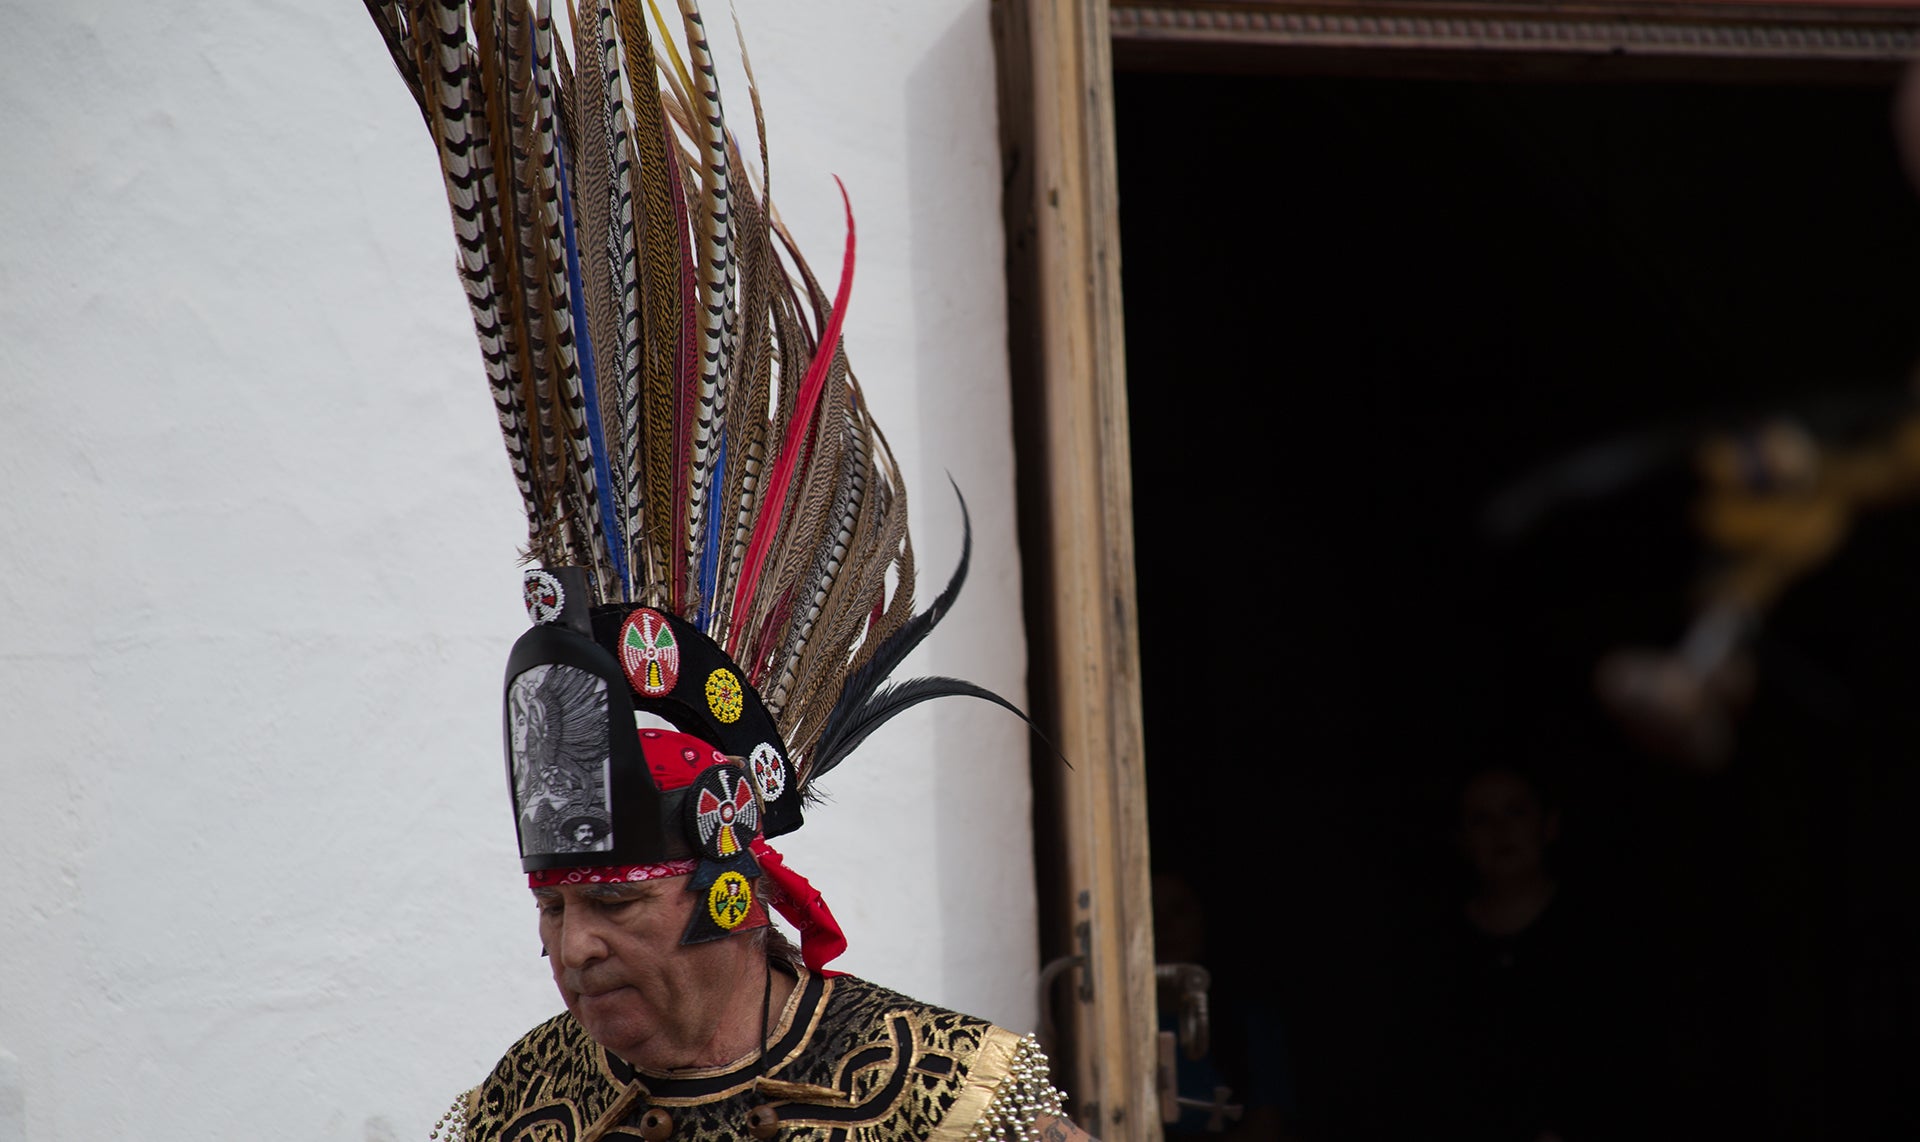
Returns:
<point x="1516" y="1005"/>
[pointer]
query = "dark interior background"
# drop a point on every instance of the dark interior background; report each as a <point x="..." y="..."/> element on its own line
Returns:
<point x="1357" y="309"/>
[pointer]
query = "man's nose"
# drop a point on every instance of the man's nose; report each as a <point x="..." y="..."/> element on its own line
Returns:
<point x="582" y="938"/>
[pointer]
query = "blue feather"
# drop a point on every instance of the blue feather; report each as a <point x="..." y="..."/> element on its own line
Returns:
<point x="710" y="549"/>
<point x="583" y="346"/>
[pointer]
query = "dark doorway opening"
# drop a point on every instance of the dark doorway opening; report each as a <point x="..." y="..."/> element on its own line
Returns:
<point x="1356" y="311"/>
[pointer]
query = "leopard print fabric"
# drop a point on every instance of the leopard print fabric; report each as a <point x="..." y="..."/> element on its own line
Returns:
<point x="856" y="1063"/>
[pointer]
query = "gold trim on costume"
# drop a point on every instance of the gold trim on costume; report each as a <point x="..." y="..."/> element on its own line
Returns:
<point x="801" y="1092"/>
<point x="991" y="1064"/>
<point x="866" y="1065"/>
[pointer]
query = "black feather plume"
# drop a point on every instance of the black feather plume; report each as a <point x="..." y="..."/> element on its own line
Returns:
<point x="892" y="699"/>
<point x="864" y="681"/>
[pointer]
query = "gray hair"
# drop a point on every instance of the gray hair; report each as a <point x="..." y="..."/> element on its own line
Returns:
<point x="771" y="939"/>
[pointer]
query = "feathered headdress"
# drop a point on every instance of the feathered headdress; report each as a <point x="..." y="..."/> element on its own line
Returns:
<point x="690" y="445"/>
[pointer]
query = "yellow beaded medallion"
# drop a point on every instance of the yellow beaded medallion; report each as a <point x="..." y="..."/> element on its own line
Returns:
<point x="729" y="900"/>
<point x="724" y="696"/>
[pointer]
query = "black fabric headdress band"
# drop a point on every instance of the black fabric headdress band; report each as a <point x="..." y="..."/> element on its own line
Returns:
<point x="676" y="672"/>
<point x="583" y="791"/>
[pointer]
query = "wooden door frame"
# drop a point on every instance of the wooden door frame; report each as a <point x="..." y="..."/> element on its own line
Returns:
<point x="1693" y="40"/>
<point x="1061" y="208"/>
<point x="1076" y="523"/>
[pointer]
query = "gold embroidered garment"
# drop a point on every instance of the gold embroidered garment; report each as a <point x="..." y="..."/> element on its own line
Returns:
<point x="849" y="1062"/>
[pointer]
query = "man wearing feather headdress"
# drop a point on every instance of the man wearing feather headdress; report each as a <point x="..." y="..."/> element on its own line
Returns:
<point x="724" y="587"/>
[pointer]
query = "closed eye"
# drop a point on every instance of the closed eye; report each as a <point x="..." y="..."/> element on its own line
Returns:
<point x="610" y="896"/>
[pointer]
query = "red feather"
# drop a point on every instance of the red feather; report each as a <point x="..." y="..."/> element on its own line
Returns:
<point x="798" y="432"/>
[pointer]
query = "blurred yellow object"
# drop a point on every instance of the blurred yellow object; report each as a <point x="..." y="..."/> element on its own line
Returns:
<point x="1777" y="505"/>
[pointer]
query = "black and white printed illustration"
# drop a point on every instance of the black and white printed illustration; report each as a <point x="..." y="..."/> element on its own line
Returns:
<point x="557" y="716"/>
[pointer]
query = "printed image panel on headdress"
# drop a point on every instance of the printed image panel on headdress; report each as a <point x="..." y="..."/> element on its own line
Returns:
<point x="675" y="671"/>
<point x="582" y="792"/>
<point x="557" y="746"/>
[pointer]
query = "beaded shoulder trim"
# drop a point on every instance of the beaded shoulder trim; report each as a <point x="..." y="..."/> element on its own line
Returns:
<point x="452" y="1126"/>
<point x="1025" y="1096"/>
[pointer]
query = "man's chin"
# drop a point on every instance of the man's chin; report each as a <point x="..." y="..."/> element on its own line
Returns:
<point x="608" y="1016"/>
<point x="585" y="1005"/>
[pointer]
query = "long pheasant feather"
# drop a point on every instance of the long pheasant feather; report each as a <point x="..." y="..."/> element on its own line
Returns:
<point x="613" y="546"/>
<point x="818" y="579"/>
<point x="466" y="169"/>
<point x="714" y="251"/>
<point x="554" y="545"/>
<point x="617" y="244"/>
<point x="854" y="609"/>
<point x="558" y="266"/>
<point x="660" y="238"/>
<point x="812" y="507"/>
<point x="759" y="113"/>
<point x="747" y="408"/>
<point x="894" y="610"/>
<point x="586" y="191"/>
<point x="679" y="74"/>
<point x="783" y="466"/>
<point x="392" y="23"/>
<point x="686" y="400"/>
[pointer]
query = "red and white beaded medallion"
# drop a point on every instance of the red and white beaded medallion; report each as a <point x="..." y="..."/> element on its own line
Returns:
<point x="769" y="773"/>
<point x="649" y="653"/>
<point x="544" y="596"/>
<point x="725" y="814"/>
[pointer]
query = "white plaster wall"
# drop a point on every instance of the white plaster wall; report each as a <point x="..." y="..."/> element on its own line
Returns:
<point x="257" y="574"/>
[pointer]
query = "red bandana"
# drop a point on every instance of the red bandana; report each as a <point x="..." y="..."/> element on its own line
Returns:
<point x="798" y="901"/>
<point x="801" y="904"/>
<point x="609" y="874"/>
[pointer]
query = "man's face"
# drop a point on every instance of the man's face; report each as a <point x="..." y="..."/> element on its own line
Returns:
<point x="617" y="958"/>
<point x="1504" y="827"/>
